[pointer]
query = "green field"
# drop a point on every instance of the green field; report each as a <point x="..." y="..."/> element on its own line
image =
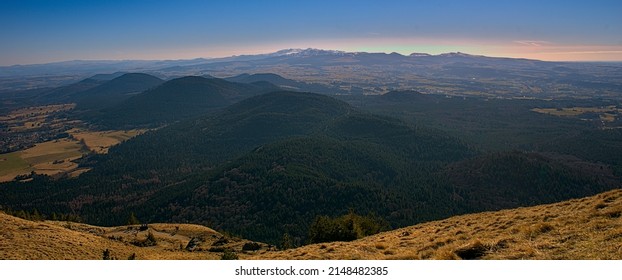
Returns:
<point x="40" y="159"/>
<point x="12" y="163"/>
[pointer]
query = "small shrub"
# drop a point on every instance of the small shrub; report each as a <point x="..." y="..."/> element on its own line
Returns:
<point x="149" y="241"/>
<point x="216" y="249"/>
<point x="192" y="244"/>
<point x="106" y="255"/>
<point x="446" y="254"/>
<point x="473" y="251"/>
<point x="251" y="246"/>
<point x="151" y="238"/>
<point x="221" y="241"/>
<point x="229" y="255"/>
<point x="534" y="230"/>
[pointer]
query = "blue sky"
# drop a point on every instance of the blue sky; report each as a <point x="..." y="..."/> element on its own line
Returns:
<point x="45" y="31"/>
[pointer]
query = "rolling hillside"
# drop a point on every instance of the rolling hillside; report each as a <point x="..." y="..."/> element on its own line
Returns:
<point x="55" y="240"/>
<point x="586" y="228"/>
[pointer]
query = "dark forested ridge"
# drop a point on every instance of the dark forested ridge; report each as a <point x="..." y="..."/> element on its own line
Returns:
<point x="115" y="91"/>
<point x="175" y="100"/>
<point x="284" y="83"/>
<point x="513" y="179"/>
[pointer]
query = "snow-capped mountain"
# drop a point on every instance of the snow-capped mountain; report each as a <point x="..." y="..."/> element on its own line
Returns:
<point x="306" y="52"/>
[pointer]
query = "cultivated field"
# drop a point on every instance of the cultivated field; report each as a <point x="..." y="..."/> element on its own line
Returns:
<point x="50" y="158"/>
<point x="56" y="156"/>
<point x="607" y="114"/>
<point x="35" y="117"/>
<point x="100" y="141"/>
<point x="11" y="165"/>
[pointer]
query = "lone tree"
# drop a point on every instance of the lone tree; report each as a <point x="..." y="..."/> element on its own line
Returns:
<point x="229" y="255"/>
<point x="286" y="242"/>
<point x="132" y="220"/>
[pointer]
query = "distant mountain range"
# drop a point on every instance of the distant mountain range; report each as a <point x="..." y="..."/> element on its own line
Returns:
<point x="359" y="73"/>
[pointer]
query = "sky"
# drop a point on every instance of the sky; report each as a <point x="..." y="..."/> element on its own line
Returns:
<point x="48" y="31"/>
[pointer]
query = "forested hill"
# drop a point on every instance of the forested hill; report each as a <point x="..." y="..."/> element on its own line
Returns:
<point x="286" y="84"/>
<point x="115" y="91"/>
<point x="176" y="100"/>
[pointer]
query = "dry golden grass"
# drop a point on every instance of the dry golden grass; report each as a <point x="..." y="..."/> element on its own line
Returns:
<point x="78" y="172"/>
<point x="588" y="228"/>
<point x="23" y="239"/>
<point x="100" y="141"/>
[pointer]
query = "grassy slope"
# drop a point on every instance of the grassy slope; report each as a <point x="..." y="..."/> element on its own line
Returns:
<point x="587" y="228"/>
<point x="23" y="239"/>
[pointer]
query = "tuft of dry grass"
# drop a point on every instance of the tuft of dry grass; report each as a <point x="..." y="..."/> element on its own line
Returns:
<point x="532" y="231"/>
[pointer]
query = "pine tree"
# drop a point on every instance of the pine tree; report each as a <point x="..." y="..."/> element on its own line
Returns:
<point x="132" y="220"/>
<point x="286" y="242"/>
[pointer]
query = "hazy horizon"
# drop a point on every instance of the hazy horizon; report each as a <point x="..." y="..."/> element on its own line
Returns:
<point x="278" y="50"/>
<point x="41" y="32"/>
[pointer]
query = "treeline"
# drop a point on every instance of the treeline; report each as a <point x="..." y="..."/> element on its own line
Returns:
<point x="513" y="179"/>
<point x="345" y="228"/>
<point x="35" y="215"/>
